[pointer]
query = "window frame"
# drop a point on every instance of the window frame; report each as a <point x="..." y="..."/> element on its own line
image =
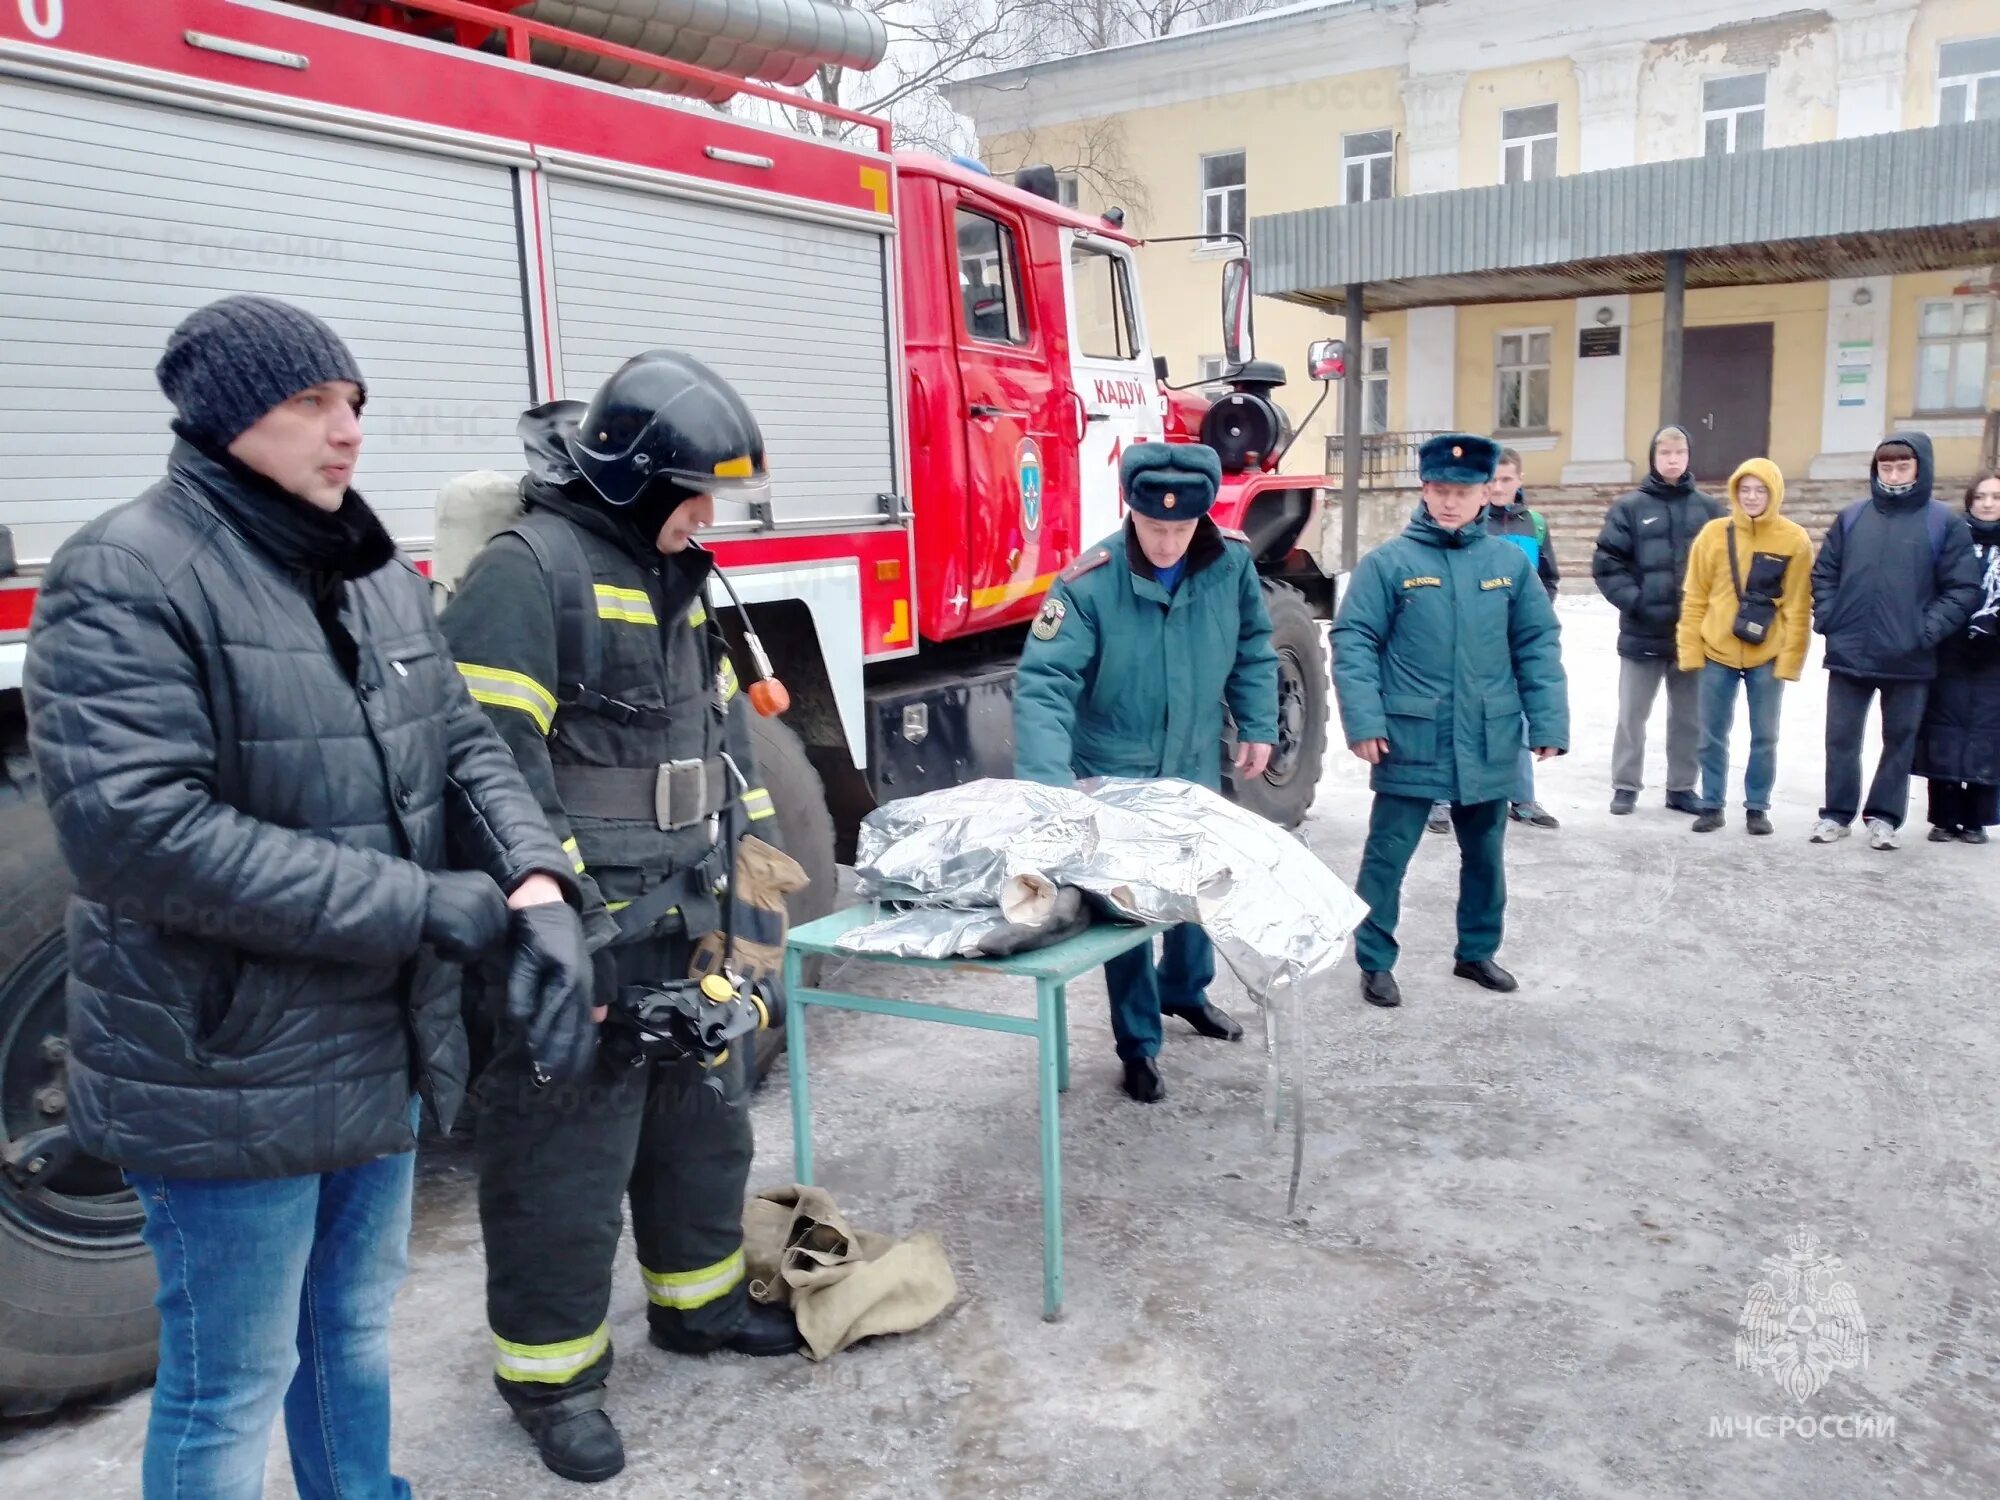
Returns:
<point x="1527" y="143"/>
<point x="1967" y="81"/>
<point x="1206" y="245"/>
<point x="1526" y="365"/>
<point x="1068" y="189"/>
<point x="1124" y="306"/>
<point x="1212" y="384"/>
<point x="1349" y="160"/>
<point x="1019" y="326"/>
<point x="1370" y="378"/>
<point x="1732" y="114"/>
<point x="1954" y="340"/>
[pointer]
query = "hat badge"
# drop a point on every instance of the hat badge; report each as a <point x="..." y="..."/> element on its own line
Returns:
<point x="1457" y="450"/>
<point x="1168" y="501"/>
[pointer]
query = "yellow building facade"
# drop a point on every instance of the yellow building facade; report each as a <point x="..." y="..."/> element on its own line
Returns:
<point x="1355" y="99"/>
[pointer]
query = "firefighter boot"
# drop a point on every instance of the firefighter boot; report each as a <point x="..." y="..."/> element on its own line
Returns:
<point x="574" y="1436"/>
<point x="765" y="1329"/>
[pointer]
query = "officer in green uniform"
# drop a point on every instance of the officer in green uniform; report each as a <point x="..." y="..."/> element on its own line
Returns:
<point x="1444" y="639"/>
<point x="620" y="729"/>
<point x="1140" y="646"/>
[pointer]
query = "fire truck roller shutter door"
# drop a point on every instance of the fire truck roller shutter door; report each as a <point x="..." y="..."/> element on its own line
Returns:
<point x="118" y="217"/>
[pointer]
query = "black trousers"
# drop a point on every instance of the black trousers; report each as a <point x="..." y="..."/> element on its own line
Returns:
<point x="556" y="1166"/>
<point x="1964" y="804"/>
<point x="1847" y="701"/>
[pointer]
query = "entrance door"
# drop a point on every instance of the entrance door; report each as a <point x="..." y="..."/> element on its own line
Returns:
<point x="1726" y="393"/>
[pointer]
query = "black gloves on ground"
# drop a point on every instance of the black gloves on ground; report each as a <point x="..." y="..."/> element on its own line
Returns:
<point x="549" y="993"/>
<point x="464" y="914"/>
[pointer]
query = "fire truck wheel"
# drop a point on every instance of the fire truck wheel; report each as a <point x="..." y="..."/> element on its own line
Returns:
<point x="805" y="831"/>
<point x="76" y="1283"/>
<point x="1284" y="793"/>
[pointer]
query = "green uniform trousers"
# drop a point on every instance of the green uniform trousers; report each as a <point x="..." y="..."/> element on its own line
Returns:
<point x="556" y="1166"/>
<point x="1395" y="828"/>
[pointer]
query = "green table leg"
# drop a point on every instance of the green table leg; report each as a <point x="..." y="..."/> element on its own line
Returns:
<point x="1048" y="1007"/>
<point x="1062" y="1038"/>
<point x="795" y="1059"/>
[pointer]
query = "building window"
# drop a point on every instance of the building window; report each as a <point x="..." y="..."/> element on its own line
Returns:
<point x="1104" y="327"/>
<point x="1521" y="381"/>
<point x="1066" y="189"/>
<point x="1370" y="160"/>
<point x="1224" y="197"/>
<point x="1732" y="113"/>
<point x="1212" y="384"/>
<point x="1374" y="391"/>
<point x="989" y="280"/>
<point x="1969" y="81"/>
<point x="1528" y="143"/>
<point x="1952" y="334"/>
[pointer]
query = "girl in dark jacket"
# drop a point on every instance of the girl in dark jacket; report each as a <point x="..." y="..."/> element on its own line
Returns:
<point x="1959" y="749"/>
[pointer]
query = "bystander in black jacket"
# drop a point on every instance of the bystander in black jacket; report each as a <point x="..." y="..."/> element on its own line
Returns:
<point x="1642" y="556"/>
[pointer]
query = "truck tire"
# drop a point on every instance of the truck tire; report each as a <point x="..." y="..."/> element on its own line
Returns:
<point x="76" y="1283"/>
<point x="804" y="831"/>
<point x="1284" y="793"/>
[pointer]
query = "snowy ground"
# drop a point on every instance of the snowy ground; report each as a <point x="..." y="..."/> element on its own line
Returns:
<point x="1529" y="1226"/>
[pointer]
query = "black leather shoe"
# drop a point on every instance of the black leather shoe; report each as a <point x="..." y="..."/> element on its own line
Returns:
<point x="1683" y="802"/>
<point x="1483" y="971"/>
<point x="1940" y="834"/>
<point x="1623" y="802"/>
<point x="575" y="1437"/>
<point x="1211" y="1022"/>
<point x="766" y="1329"/>
<point x="1708" y="821"/>
<point x="1380" y="988"/>
<point x="1757" y="822"/>
<point x="1143" y="1081"/>
<point x="1972" y="835"/>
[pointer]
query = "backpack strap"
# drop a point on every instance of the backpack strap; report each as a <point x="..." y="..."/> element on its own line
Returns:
<point x="1848" y="517"/>
<point x="579" y="645"/>
<point x="1937" y="516"/>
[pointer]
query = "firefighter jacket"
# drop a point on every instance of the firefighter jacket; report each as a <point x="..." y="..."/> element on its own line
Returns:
<point x="1122" y="678"/>
<point x="1444" y="640"/>
<point x="666" y="695"/>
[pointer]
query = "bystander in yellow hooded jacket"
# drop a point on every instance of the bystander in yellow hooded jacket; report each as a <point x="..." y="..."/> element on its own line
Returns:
<point x="1774" y="557"/>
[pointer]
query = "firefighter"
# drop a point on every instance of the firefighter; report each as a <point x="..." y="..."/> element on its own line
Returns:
<point x="624" y="744"/>
<point x="1142" y="643"/>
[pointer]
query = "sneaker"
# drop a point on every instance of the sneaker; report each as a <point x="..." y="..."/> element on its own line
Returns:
<point x="1881" y="834"/>
<point x="1826" y="831"/>
<point x="1756" y="820"/>
<point x="1708" y="821"/>
<point x="1972" y="835"/>
<point x="1533" y="814"/>
<point x="1939" y="834"/>
<point x="1440" y="819"/>
<point x="1623" y="802"/>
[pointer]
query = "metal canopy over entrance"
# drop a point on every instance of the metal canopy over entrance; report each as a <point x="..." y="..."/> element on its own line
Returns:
<point x="1910" y="200"/>
<point x="1903" y="201"/>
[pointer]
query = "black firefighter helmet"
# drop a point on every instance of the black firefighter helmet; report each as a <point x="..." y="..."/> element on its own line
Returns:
<point x="664" y="417"/>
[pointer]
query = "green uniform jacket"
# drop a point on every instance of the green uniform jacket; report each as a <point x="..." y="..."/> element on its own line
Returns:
<point x="1119" y="678"/>
<point x="1444" y="639"/>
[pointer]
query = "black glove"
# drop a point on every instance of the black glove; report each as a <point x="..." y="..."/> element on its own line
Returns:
<point x="548" y="993"/>
<point x="464" y="914"/>
<point x="603" y="977"/>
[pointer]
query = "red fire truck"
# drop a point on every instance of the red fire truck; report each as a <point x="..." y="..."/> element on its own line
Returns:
<point x="495" y="213"/>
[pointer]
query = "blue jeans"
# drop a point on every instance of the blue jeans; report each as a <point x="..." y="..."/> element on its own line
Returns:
<point x="1140" y="992"/>
<point x="275" y="1292"/>
<point x="1718" y="712"/>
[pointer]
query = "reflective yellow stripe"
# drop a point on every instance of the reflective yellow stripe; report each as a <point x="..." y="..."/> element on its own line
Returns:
<point x="725" y="677"/>
<point x="616" y="905"/>
<point x="757" y="803"/>
<point x="569" y="848"/>
<point x="550" y="1364"/>
<point x="697" y="614"/>
<point x="499" y="688"/>
<point x="632" y="606"/>
<point x="687" y="1290"/>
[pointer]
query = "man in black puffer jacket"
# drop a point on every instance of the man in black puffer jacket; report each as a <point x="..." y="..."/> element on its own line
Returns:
<point x="1895" y="578"/>
<point x="263" y="769"/>
<point x="1640" y="564"/>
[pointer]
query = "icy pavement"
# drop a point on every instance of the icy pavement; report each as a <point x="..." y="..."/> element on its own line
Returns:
<point x="1530" y="1228"/>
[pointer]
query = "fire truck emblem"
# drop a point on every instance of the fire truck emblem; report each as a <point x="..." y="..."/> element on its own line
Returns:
<point x="1028" y="462"/>
<point x="1803" y="1321"/>
<point x="1049" y="621"/>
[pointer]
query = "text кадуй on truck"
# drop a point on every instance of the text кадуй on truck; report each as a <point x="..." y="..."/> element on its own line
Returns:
<point x="946" y="368"/>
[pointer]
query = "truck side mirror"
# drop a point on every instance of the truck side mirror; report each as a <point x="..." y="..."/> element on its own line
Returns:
<point x="1238" y="342"/>
<point x="1326" y="359"/>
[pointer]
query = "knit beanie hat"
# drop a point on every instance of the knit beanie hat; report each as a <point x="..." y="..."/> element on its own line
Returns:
<point x="233" y="360"/>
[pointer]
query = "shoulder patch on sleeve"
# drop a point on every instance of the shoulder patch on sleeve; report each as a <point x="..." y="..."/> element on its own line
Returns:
<point x="1050" y="620"/>
<point x="1096" y="557"/>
